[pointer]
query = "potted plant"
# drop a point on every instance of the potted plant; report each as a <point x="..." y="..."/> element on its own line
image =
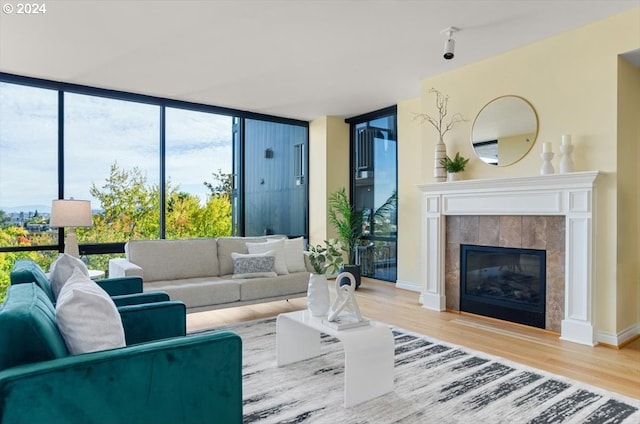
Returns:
<point x="327" y="258"/>
<point x="348" y="224"/>
<point x="454" y="166"/>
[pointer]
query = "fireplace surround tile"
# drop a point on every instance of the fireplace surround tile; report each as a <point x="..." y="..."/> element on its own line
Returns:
<point x="527" y="232"/>
<point x="489" y="230"/>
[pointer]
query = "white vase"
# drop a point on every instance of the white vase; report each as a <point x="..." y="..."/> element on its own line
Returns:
<point x="318" y="300"/>
<point x="439" y="173"/>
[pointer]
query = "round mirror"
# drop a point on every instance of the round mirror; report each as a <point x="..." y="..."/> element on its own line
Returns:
<point x="504" y="130"/>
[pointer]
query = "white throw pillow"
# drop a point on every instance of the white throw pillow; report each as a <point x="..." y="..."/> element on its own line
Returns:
<point x="293" y="254"/>
<point x="87" y="317"/>
<point x="277" y="246"/>
<point x="62" y="269"/>
<point x="253" y="265"/>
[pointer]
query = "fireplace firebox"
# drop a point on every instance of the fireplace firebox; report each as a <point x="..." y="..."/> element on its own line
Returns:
<point x="504" y="283"/>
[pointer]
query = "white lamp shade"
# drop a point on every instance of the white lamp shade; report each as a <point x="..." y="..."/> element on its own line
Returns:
<point x="71" y="213"/>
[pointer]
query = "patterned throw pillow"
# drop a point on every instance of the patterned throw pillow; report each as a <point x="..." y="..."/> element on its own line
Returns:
<point x="253" y="265"/>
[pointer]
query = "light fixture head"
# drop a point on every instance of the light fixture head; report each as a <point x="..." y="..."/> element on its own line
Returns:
<point x="449" y="43"/>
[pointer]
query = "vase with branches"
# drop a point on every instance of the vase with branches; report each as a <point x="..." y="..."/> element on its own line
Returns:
<point x="443" y="123"/>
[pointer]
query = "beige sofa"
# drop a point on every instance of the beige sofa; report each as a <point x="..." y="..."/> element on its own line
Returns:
<point x="200" y="272"/>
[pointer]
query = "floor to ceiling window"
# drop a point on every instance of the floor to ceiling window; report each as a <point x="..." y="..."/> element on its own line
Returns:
<point x="374" y="190"/>
<point x="199" y="169"/>
<point x="28" y="163"/>
<point x="111" y="157"/>
<point x="151" y="167"/>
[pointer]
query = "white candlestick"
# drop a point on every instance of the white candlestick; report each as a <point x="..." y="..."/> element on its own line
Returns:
<point x="546" y="147"/>
<point x="566" y="140"/>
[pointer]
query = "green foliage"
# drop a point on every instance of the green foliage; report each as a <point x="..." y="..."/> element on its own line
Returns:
<point x="346" y="220"/>
<point x="223" y="184"/>
<point x="130" y="210"/>
<point x="18" y="236"/>
<point x="457" y="164"/>
<point x="327" y="258"/>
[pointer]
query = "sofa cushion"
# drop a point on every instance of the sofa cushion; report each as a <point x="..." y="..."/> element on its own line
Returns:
<point x="226" y="245"/>
<point x="294" y="254"/>
<point x="62" y="269"/>
<point x="174" y="259"/>
<point x="282" y="285"/>
<point x="254" y="265"/>
<point x="275" y="246"/>
<point x="197" y="292"/>
<point x="28" y="330"/>
<point x="87" y="317"/>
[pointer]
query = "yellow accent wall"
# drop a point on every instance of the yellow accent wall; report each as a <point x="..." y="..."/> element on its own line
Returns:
<point x="411" y="170"/>
<point x="572" y="80"/>
<point x="328" y="171"/>
<point x="628" y="188"/>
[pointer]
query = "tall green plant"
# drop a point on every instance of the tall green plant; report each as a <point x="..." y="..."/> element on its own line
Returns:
<point x="346" y="220"/>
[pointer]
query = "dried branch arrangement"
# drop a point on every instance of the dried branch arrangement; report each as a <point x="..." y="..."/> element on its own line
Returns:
<point x="438" y="122"/>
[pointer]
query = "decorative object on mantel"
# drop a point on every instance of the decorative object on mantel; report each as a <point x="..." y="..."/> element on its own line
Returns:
<point x="566" y="164"/>
<point x="439" y="172"/>
<point x="455" y="166"/>
<point x="323" y="258"/>
<point x="546" y="155"/>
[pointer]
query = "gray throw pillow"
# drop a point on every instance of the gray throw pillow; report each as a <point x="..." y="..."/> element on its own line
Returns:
<point x="253" y="265"/>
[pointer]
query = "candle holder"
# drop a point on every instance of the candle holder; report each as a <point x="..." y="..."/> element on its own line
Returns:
<point x="547" y="167"/>
<point x="566" y="164"/>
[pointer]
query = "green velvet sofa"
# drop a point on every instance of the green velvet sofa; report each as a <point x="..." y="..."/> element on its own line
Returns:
<point x="161" y="376"/>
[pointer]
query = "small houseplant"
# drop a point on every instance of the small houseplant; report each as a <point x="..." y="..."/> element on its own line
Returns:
<point x="326" y="258"/>
<point x="454" y="166"/>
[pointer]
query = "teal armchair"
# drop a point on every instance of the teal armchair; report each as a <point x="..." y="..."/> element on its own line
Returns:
<point x="185" y="379"/>
<point x="145" y="316"/>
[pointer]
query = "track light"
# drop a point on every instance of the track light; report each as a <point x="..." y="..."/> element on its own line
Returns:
<point x="449" y="43"/>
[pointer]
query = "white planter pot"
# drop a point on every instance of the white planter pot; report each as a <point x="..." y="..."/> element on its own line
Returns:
<point x="318" y="300"/>
<point x="454" y="176"/>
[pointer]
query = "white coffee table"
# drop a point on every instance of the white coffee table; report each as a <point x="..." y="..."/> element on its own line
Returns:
<point x="368" y="352"/>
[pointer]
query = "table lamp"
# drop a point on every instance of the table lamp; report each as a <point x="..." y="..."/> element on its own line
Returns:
<point x="71" y="214"/>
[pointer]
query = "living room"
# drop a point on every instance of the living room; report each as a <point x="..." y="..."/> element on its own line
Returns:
<point x="578" y="84"/>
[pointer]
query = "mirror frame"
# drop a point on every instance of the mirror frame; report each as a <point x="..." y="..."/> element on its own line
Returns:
<point x="535" y="138"/>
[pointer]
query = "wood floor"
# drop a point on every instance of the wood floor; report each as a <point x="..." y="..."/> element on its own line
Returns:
<point x="617" y="370"/>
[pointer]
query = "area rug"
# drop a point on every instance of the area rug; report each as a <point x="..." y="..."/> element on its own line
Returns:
<point x="435" y="382"/>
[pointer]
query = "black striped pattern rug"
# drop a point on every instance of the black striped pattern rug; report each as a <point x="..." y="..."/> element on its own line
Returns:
<point x="435" y="382"/>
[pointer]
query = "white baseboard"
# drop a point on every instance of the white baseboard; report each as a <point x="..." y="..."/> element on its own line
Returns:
<point x="407" y="285"/>
<point x="620" y="338"/>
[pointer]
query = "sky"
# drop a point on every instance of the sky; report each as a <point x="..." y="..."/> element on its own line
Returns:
<point x="99" y="132"/>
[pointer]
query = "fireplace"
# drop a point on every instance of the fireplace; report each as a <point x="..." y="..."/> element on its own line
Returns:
<point x="504" y="283"/>
<point x="570" y="197"/>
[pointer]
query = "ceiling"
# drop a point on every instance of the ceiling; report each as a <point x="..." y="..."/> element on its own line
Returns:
<point x="294" y="58"/>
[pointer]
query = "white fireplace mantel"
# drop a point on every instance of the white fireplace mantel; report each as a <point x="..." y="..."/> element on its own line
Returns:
<point x="571" y="195"/>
